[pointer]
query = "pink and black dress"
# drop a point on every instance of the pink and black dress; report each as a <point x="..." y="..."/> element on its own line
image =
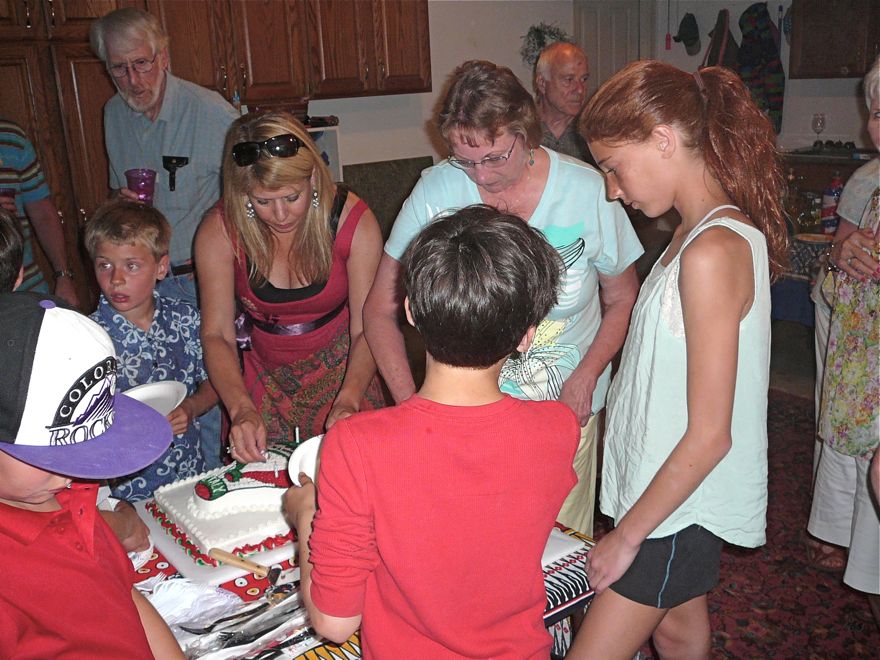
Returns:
<point x="295" y="342"/>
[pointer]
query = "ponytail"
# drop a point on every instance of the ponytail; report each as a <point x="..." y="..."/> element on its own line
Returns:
<point x="715" y="113"/>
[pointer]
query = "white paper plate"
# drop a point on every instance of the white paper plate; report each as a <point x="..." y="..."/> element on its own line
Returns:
<point x="163" y="396"/>
<point x="305" y="459"/>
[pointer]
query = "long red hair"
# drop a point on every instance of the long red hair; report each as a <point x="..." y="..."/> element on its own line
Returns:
<point x="715" y="112"/>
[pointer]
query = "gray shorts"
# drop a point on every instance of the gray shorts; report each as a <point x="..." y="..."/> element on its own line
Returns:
<point x="672" y="570"/>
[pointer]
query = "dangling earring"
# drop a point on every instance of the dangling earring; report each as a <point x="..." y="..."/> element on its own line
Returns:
<point x="531" y="157"/>
<point x="251" y="214"/>
<point x="315" y="201"/>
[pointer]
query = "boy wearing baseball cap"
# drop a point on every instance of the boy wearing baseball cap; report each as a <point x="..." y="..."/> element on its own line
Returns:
<point x="64" y="576"/>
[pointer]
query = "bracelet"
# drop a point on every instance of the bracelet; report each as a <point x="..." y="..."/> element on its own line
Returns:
<point x="64" y="272"/>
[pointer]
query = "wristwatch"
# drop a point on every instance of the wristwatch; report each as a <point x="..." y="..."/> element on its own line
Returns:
<point x="64" y="272"/>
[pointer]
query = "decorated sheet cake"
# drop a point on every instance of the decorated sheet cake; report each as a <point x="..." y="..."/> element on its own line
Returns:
<point x="236" y="508"/>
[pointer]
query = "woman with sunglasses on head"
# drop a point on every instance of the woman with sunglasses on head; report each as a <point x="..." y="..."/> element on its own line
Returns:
<point x="493" y="133"/>
<point x="285" y="262"/>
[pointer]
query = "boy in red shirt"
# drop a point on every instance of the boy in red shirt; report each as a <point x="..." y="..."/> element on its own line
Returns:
<point x="434" y="514"/>
<point x="64" y="575"/>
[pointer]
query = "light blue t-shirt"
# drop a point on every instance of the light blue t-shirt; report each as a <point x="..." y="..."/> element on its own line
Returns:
<point x="591" y="234"/>
<point x="193" y="123"/>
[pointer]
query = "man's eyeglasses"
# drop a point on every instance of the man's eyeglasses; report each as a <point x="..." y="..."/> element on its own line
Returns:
<point x="488" y="161"/>
<point x="280" y="146"/>
<point x="140" y="65"/>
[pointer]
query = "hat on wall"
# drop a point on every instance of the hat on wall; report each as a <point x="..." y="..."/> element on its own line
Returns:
<point x="689" y="34"/>
<point x="59" y="409"/>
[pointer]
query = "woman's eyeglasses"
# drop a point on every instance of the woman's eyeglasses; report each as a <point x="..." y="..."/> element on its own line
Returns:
<point x="488" y="161"/>
<point x="280" y="146"/>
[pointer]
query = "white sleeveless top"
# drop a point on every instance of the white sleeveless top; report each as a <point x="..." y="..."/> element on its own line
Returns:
<point x="647" y="406"/>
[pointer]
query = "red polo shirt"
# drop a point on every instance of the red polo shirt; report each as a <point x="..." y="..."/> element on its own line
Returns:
<point x="65" y="584"/>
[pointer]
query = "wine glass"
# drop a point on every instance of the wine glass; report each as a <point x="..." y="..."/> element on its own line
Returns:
<point x="818" y="125"/>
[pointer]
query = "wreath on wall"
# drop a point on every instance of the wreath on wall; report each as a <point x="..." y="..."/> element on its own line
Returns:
<point x="539" y="37"/>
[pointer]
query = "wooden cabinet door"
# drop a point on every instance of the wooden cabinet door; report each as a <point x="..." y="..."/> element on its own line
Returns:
<point x="340" y="36"/>
<point x="29" y="100"/>
<point x="270" y="49"/>
<point x="402" y="45"/>
<point x="833" y="39"/>
<point x="83" y="89"/>
<point x="70" y="19"/>
<point x="21" y="19"/>
<point x="199" y="47"/>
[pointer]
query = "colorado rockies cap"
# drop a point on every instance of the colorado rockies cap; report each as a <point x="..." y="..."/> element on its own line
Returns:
<point x="59" y="409"/>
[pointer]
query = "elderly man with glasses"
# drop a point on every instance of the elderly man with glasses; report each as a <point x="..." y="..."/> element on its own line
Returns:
<point x="560" y="82"/>
<point x="163" y="123"/>
<point x="172" y="126"/>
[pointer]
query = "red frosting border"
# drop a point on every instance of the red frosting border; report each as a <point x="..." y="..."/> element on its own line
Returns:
<point x="165" y="522"/>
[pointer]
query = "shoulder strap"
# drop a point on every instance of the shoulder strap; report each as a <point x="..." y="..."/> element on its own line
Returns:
<point x="336" y="211"/>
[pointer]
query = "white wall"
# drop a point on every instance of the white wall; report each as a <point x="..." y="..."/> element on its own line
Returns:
<point x="387" y="127"/>
<point x="839" y="99"/>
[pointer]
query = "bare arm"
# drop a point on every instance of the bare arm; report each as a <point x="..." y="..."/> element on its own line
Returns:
<point x="47" y="226"/>
<point x="366" y="249"/>
<point x="198" y="403"/>
<point x="618" y="294"/>
<point x="129" y="529"/>
<point x="381" y="326"/>
<point x="716" y="288"/>
<point x="162" y="642"/>
<point x="299" y="505"/>
<point x="215" y="262"/>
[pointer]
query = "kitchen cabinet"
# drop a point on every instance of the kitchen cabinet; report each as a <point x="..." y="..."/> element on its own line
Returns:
<point x="54" y="19"/>
<point x="249" y="52"/>
<point x="833" y="39"/>
<point x="29" y="99"/>
<point x="368" y="47"/>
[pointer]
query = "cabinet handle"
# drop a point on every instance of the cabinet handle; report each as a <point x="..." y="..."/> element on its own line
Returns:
<point x="51" y="14"/>
<point x="844" y="70"/>
<point x="83" y="216"/>
<point x="244" y="80"/>
<point x="366" y="73"/>
<point x="225" y="77"/>
<point x="382" y="70"/>
<point x="27" y="15"/>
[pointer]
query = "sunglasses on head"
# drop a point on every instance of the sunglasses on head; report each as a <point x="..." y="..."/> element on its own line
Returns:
<point x="280" y="146"/>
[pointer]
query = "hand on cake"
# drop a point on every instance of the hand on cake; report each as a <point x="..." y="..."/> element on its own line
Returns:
<point x="247" y="437"/>
<point x="300" y="500"/>
<point x="131" y="531"/>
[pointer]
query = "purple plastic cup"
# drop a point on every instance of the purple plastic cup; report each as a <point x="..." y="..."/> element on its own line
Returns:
<point x="142" y="182"/>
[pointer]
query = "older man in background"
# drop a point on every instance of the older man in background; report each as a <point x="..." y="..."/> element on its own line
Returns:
<point x="174" y="127"/>
<point x="560" y="82"/>
<point x="163" y="123"/>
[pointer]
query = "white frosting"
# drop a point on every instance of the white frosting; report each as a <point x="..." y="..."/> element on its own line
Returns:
<point x="247" y="514"/>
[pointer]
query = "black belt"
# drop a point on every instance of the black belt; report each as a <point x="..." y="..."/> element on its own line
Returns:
<point x="246" y="322"/>
<point x="183" y="269"/>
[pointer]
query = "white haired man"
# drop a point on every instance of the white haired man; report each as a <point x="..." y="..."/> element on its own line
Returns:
<point x="163" y="123"/>
<point x="560" y="82"/>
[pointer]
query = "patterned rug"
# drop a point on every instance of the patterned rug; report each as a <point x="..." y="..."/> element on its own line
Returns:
<point x="770" y="603"/>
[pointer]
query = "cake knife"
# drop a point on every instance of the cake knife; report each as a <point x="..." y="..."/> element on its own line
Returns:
<point x="258" y="570"/>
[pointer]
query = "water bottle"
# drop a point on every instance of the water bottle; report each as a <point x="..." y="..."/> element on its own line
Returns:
<point x="830" y="197"/>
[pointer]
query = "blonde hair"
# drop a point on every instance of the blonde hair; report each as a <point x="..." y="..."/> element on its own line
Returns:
<point x="311" y="253"/>
<point x="124" y="222"/>
<point x="128" y="24"/>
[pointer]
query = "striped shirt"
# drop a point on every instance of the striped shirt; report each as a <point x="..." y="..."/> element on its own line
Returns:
<point x="20" y="170"/>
